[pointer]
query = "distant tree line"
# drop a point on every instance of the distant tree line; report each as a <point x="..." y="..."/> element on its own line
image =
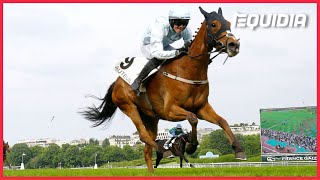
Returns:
<point x="218" y="143"/>
<point x="69" y="156"/>
<point x="84" y="155"/>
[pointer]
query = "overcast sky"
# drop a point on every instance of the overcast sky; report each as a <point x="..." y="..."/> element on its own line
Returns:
<point x="56" y="54"/>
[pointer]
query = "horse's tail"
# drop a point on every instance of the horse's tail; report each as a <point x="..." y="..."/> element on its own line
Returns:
<point x="103" y="113"/>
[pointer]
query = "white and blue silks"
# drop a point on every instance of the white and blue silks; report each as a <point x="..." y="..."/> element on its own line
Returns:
<point x="158" y="37"/>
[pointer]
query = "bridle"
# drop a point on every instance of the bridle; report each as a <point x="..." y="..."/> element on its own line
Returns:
<point x="213" y="41"/>
<point x="184" y="139"/>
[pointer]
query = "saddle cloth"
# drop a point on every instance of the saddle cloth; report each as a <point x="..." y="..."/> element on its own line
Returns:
<point x="130" y="67"/>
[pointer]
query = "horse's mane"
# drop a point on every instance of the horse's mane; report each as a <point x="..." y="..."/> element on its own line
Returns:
<point x="167" y="61"/>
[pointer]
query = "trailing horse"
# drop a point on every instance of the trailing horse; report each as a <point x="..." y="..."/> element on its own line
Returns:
<point x="177" y="148"/>
<point x="178" y="91"/>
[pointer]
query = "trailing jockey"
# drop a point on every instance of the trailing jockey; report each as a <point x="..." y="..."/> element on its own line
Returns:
<point x="173" y="133"/>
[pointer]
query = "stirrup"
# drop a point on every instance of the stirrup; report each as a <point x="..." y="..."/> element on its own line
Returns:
<point x="135" y="86"/>
<point x="138" y="93"/>
<point x="166" y="147"/>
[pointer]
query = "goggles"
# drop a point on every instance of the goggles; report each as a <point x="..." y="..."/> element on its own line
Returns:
<point x="180" y="22"/>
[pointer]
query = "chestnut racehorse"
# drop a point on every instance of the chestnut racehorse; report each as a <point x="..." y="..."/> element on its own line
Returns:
<point x="178" y="91"/>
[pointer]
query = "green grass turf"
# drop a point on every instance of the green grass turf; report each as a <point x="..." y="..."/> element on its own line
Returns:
<point x="235" y="171"/>
<point x="293" y="117"/>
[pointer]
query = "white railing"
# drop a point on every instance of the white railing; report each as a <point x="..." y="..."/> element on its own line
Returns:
<point x="235" y="164"/>
<point x="11" y="167"/>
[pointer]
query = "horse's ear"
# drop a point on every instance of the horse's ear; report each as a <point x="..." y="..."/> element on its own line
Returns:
<point x="204" y="12"/>
<point x="220" y="11"/>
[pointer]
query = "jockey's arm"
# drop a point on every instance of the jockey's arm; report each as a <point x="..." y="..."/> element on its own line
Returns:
<point x="172" y="132"/>
<point x="158" y="52"/>
<point x="156" y="45"/>
<point x="172" y="135"/>
<point x="182" y="133"/>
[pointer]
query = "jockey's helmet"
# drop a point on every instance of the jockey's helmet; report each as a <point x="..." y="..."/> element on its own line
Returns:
<point x="179" y="16"/>
<point x="179" y="13"/>
<point x="179" y="126"/>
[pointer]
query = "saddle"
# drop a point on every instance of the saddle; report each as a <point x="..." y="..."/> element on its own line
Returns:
<point x="130" y="67"/>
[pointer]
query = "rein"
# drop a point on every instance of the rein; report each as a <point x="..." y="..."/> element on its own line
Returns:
<point x="183" y="139"/>
<point x="220" y="51"/>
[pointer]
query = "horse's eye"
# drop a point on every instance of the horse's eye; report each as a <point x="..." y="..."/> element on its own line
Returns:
<point x="213" y="25"/>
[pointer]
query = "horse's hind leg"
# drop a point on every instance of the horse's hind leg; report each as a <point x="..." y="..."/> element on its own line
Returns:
<point x="151" y="126"/>
<point x="133" y="113"/>
<point x="207" y="113"/>
<point x="121" y="96"/>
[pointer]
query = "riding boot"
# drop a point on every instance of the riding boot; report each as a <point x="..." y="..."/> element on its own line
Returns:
<point x="151" y="64"/>
<point x="166" y="144"/>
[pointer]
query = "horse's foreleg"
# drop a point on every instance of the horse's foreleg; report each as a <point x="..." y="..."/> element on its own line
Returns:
<point x="182" y="156"/>
<point x="175" y="113"/>
<point x="159" y="157"/>
<point x="207" y="113"/>
<point x="178" y="113"/>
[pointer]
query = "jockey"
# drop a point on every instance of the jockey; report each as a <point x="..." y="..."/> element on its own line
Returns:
<point x="173" y="133"/>
<point x="158" y="37"/>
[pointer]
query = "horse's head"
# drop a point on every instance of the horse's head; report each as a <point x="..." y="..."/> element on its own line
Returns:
<point x="186" y="138"/>
<point x="218" y="33"/>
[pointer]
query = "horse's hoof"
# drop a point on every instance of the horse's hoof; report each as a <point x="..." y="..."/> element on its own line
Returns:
<point x="192" y="166"/>
<point x="154" y="166"/>
<point x="241" y="155"/>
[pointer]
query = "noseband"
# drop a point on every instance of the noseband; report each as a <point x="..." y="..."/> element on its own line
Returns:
<point x="213" y="39"/>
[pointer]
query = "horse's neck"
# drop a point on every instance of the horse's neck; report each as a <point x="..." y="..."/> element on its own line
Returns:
<point x="200" y="44"/>
<point x="198" y="59"/>
<point x="181" y="140"/>
<point x="188" y="66"/>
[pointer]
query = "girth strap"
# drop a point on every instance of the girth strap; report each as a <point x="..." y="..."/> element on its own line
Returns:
<point x="149" y="103"/>
<point x="184" y="80"/>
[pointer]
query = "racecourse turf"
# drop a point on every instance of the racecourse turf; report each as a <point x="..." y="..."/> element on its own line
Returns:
<point x="300" y="121"/>
<point x="234" y="171"/>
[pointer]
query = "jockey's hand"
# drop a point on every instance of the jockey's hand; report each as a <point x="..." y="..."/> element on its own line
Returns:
<point x="183" y="50"/>
<point x="187" y="44"/>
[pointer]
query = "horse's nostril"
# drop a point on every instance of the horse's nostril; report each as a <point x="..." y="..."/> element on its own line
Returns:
<point x="231" y="44"/>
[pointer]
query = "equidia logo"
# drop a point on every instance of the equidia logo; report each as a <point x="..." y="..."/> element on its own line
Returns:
<point x="269" y="20"/>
